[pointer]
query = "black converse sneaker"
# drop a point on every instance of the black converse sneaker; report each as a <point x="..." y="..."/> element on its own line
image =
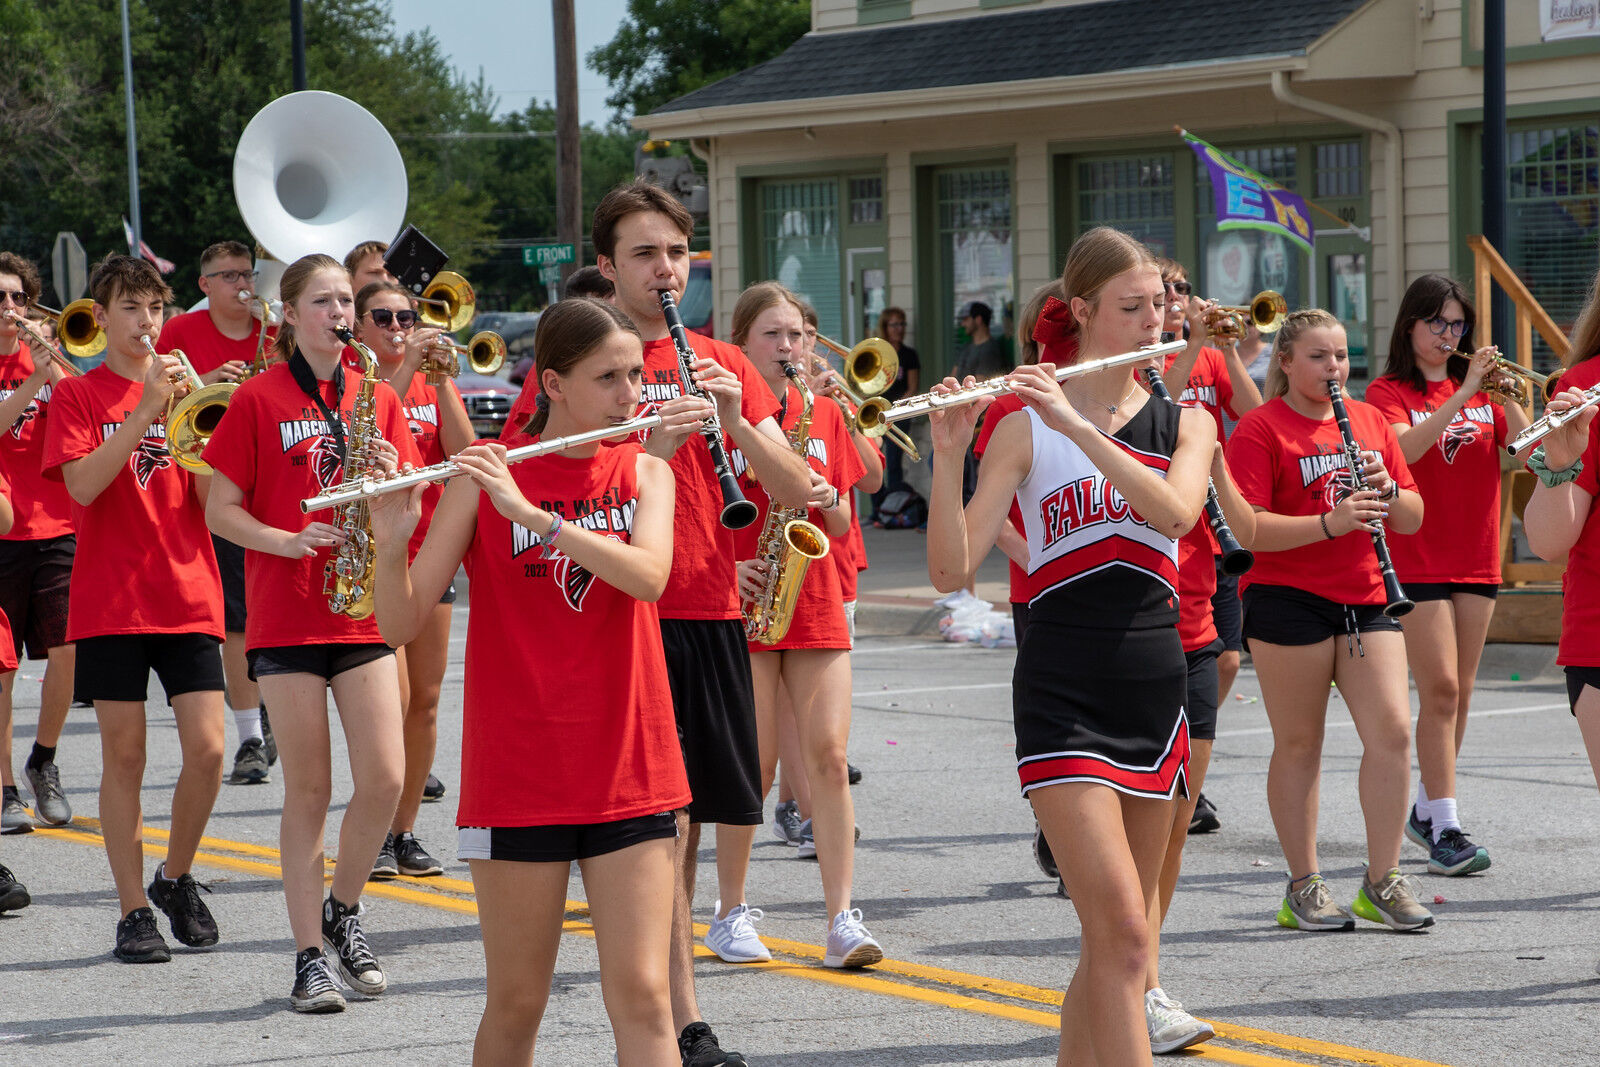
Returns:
<point x="13" y="894"/>
<point x="315" y="992"/>
<point x="138" y="940"/>
<point x="344" y="941"/>
<point x="180" y="898"/>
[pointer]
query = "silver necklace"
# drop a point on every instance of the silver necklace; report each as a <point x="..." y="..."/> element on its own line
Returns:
<point x="1112" y="408"/>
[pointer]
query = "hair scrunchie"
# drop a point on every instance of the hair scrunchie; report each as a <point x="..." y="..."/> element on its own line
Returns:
<point x="542" y="402"/>
<point x="1057" y="333"/>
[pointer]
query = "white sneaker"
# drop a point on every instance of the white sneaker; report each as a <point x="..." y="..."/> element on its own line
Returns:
<point x="1172" y="1028"/>
<point x="849" y="944"/>
<point x="734" y="937"/>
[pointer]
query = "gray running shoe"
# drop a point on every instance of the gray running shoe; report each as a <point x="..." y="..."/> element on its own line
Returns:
<point x="14" y="817"/>
<point x="1311" y="907"/>
<point x="786" y="822"/>
<point x="1171" y="1028"/>
<point x="250" y="763"/>
<point x="49" y="803"/>
<point x="1392" y="902"/>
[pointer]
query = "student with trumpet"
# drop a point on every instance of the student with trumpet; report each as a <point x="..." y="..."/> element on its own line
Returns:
<point x="37" y="553"/>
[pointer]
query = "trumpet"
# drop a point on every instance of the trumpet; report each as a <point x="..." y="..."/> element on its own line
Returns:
<point x="485" y="352"/>
<point x="42" y="344"/>
<point x="1553" y="420"/>
<point x="1512" y="383"/>
<point x="349" y="493"/>
<point x="869" y="368"/>
<point x="80" y="335"/>
<point x="877" y="415"/>
<point x="192" y="418"/>
<point x="448" y="303"/>
<point x="1266" y="312"/>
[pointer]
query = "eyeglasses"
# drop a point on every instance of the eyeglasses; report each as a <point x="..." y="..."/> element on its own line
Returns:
<point x="1438" y="326"/>
<point x="1181" y="288"/>
<point x="16" y="296"/>
<point x="383" y="318"/>
<point x="892" y="323"/>
<point x="233" y="277"/>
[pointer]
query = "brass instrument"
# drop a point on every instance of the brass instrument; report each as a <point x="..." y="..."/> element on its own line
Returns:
<point x="787" y="545"/>
<point x="80" y="335"/>
<point x="1512" y="383"/>
<point x="877" y="414"/>
<point x="347" y="576"/>
<point x="448" y="303"/>
<point x="1266" y="312"/>
<point x="485" y="352"/>
<point x="41" y="344"/>
<point x="192" y="418"/>
<point x="1551" y="420"/>
<point x="269" y="313"/>
<point x="869" y="369"/>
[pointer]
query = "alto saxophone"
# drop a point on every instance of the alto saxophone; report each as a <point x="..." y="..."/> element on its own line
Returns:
<point x="787" y="545"/>
<point x="347" y="577"/>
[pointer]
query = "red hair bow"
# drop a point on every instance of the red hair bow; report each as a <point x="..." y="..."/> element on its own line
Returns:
<point x="1057" y="333"/>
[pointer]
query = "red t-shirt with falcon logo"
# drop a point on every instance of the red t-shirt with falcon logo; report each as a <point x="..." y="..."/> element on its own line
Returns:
<point x="195" y="333"/>
<point x="145" y="563"/>
<point x="1459" y="478"/>
<point x="1289" y="464"/>
<point x="276" y="446"/>
<point x="421" y="407"/>
<point x="567" y="714"/>
<point x="1208" y="386"/>
<point x="42" y="506"/>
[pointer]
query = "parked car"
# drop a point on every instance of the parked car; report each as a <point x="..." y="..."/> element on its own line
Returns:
<point x="695" y="307"/>
<point x="488" y="399"/>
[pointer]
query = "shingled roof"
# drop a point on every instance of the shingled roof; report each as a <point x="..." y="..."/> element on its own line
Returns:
<point x="1052" y="42"/>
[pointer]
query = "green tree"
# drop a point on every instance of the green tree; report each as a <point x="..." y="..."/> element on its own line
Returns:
<point x="665" y="48"/>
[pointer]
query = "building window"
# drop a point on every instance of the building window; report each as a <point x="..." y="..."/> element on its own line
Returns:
<point x="800" y="244"/>
<point x="1133" y="194"/>
<point x="1339" y="171"/>
<point x="974" y="241"/>
<point x="866" y="200"/>
<point x="1552" y="212"/>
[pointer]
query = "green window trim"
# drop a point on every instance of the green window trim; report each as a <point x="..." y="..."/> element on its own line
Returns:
<point x="1520" y="53"/>
<point x="871" y="12"/>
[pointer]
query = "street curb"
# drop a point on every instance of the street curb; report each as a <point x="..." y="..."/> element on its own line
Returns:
<point x="882" y="616"/>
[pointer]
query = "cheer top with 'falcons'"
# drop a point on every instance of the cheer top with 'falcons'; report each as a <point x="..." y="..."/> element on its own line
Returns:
<point x="1092" y="559"/>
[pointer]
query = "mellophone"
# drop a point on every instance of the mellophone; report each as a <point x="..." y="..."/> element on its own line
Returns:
<point x="1236" y="559"/>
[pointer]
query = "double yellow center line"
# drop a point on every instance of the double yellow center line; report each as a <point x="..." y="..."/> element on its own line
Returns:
<point x="957" y="990"/>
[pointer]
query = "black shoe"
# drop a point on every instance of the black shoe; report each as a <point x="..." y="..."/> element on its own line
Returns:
<point x="1042" y="854"/>
<point x="387" y="865"/>
<point x="250" y="763"/>
<point x="432" y="789"/>
<point x="1061" y="888"/>
<point x="855" y="773"/>
<point x="180" y="898"/>
<point x="1204" y="820"/>
<point x="138" y="940"/>
<point x="314" y="992"/>
<point x="698" y="1047"/>
<point x="13" y="894"/>
<point x="267" y="738"/>
<point x="343" y="939"/>
<point x="413" y="859"/>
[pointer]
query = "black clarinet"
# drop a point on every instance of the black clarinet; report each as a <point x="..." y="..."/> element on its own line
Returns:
<point x="737" y="512"/>
<point x="1397" y="604"/>
<point x="1236" y="559"/>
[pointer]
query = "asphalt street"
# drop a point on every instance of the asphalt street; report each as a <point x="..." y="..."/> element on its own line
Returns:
<point x="978" y="944"/>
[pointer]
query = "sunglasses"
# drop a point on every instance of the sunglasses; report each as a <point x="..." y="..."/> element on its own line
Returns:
<point x="16" y="296"/>
<point x="383" y="318"/>
<point x="233" y="277"/>
<point x="1438" y="326"/>
<point x="1181" y="288"/>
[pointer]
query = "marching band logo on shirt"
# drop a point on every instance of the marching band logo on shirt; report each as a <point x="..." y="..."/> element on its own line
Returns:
<point x="1469" y="424"/>
<point x="607" y="515"/>
<point x="326" y="463"/>
<point x="420" y="415"/>
<point x="1078" y="505"/>
<point x="816" y="448"/>
<point x="1332" y="470"/>
<point x="1200" y="392"/>
<point x="150" y="456"/>
<point x="30" y="412"/>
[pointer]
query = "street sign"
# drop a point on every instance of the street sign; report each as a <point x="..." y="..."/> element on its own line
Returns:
<point x="69" y="267"/>
<point x="548" y="255"/>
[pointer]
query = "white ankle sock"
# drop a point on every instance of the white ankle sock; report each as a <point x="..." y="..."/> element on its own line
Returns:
<point x="1444" y="816"/>
<point x="248" y="720"/>
<point x="1424" y="806"/>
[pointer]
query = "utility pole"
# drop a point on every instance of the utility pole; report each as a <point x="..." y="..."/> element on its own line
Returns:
<point x="1494" y="157"/>
<point x="297" y="42"/>
<point x="569" y="163"/>
<point x="133" y="136"/>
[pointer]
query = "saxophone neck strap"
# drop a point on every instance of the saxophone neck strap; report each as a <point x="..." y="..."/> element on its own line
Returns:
<point x="306" y="379"/>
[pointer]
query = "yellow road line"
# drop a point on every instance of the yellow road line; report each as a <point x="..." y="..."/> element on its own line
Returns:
<point x="456" y="895"/>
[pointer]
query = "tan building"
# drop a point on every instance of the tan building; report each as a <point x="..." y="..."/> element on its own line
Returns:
<point x="928" y="152"/>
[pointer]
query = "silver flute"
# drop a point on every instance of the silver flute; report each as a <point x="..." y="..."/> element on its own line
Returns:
<point x="1553" y="420"/>
<point x="337" y="495"/>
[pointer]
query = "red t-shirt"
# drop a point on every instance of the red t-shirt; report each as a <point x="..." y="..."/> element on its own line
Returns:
<point x="197" y="335"/>
<point x="421" y="407"/>
<point x="850" y="556"/>
<point x="567" y="713"/>
<point x="1459" y="481"/>
<point x="1292" y="465"/>
<point x="1581" y="376"/>
<point x="8" y="651"/>
<point x="1197" y="581"/>
<point x="275" y="446"/>
<point x="144" y="563"/>
<point x="702" y="585"/>
<point x="819" y="620"/>
<point x="1003" y="406"/>
<point x="1209" y="386"/>
<point x="43" y="507"/>
<point x="1580" y="582"/>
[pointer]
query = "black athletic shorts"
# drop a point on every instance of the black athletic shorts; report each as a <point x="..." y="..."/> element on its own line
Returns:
<point x="230" y="562"/>
<point x="1420" y="591"/>
<point x="1019" y="618"/>
<point x="1203" y="685"/>
<point x="1227" y="612"/>
<point x="561" y="844"/>
<point x="118" y="666"/>
<point x="1577" y="678"/>
<point x="327" y="661"/>
<point x="34" y="579"/>
<point x="708" y="669"/>
<point x="449" y="596"/>
<point x="1284" y="615"/>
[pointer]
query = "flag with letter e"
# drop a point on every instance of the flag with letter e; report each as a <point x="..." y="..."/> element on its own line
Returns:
<point x="1247" y="201"/>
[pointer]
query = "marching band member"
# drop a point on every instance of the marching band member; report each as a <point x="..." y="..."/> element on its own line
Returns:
<point x="1451" y="433"/>
<point x="641" y="238"/>
<point x="35" y="556"/>
<point x="386" y="319"/>
<point x="365" y="265"/>
<point x="13" y="894"/>
<point x="1580" y="368"/>
<point x="812" y="661"/>
<point x="221" y="341"/>
<point x="284" y="439"/>
<point x="1313" y="614"/>
<point x="560" y="764"/>
<point x="1108" y="478"/>
<point x="146" y="596"/>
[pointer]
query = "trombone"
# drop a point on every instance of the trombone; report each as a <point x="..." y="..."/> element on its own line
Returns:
<point x="449" y="304"/>
<point x="1266" y="312"/>
<point x="485" y="352"/>
<point x="69" y="368"/>
<point x="869" y="368"/>
<point x="80" y="335"/>
<point x="193" y="418"/>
